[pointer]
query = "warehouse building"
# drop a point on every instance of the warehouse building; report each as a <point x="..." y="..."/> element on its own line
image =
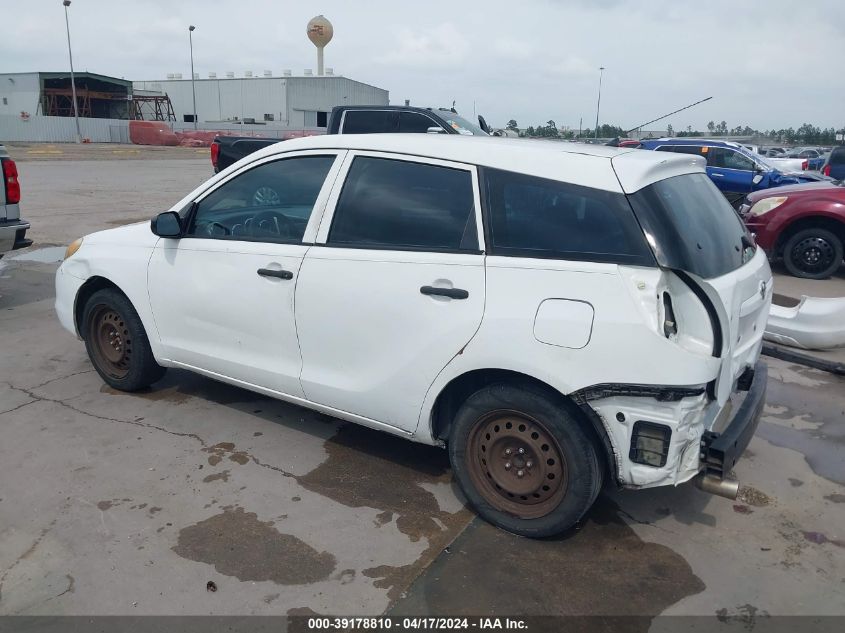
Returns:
<point x="286" y="101"/>
<point x="48" y="93"/>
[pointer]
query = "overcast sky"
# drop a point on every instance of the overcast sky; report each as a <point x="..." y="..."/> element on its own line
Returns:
<point x="766" y="63"/>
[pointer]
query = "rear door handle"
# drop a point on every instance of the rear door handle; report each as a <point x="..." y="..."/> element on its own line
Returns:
<point x="452" y="293"/>
<point x="718" y="175"/>
<point x="281" y="274"/>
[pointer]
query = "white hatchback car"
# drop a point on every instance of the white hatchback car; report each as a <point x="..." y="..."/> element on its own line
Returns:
<point x="556" y="315"/>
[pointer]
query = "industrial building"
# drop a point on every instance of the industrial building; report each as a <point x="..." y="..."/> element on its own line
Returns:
<point x="287" y="101"/>
<point x="47" y="93"/>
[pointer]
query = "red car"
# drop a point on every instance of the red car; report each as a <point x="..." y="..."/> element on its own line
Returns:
<point x="802" y="224"/>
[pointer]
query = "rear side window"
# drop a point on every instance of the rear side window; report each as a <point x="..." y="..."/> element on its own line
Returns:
<point x="401" y="205"/>
<point x="370" y="121"/>
<point x="535" y="217"/>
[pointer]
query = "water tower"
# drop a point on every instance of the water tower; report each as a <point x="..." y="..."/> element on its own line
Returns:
<point x="319" y="31"/>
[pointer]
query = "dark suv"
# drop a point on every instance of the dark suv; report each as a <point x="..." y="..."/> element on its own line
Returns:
<point x="834" y="166"/>
<point x="402" y="119"/>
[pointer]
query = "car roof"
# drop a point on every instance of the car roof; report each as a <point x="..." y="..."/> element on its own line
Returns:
<point x="693" y="140"/>
<point x="597" y="166"/>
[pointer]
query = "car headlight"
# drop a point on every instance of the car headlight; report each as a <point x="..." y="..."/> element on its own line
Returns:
<point x="73" y="247"/>
<point x="765" y="205"/>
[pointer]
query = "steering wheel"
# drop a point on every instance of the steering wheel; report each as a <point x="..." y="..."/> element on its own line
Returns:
<point x="271" y="222"/>
<point x="266" y="197"/>
<point x="210" y="228"/>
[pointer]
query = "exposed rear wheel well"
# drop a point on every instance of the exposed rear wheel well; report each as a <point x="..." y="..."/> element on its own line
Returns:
<point x="834" y="226"/>
<point x="89" y="288"/>
<point x="459" y="389"/>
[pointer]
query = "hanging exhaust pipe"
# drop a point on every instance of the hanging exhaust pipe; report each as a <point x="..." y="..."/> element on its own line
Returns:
<point x="728" y="488"/>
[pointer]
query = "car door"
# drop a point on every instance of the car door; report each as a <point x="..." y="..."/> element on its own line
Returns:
<point x="222" y="295"/>
<point x="417" y="123"/>
<point x="732" y="172"/>
<point x="393" y="288"/>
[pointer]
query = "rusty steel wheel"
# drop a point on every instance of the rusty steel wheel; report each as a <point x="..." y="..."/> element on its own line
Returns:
<point x="111" y="342"/>
<point x="516" y="464"/>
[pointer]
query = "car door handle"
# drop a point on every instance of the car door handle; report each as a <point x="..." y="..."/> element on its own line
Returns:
<point x="718" y="175"/>
<point x="281" y="274"/>
<point x="452" y="293"/>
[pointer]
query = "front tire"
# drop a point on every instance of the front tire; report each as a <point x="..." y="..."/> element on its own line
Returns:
<point x="117" y="343"/>
<point x="814" y="253"/>
<point x="525" y="463"/>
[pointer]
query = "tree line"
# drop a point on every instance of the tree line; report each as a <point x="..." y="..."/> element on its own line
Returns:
<point x="806" y="134"/>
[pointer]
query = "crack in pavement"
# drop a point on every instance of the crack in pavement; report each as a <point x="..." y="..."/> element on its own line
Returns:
<point x="36" y="398"/>
<point x="62" y="403"/>
<point x="28" y="552"/>
<point x="20" y="406"/>
<point x="52" y="380"/>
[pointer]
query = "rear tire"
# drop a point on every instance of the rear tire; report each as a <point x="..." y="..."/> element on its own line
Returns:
<point x="814" y="253"/>
<point x="523" y="460"/>
<point x="117" y="343"/>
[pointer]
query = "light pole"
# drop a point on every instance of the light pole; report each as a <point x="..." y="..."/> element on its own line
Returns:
<point x="193" y="86"/>
<point x="598" y="105"/>
<point x="66" y="4"/>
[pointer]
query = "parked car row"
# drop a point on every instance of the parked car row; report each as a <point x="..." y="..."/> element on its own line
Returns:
<point x="734" y="169"/>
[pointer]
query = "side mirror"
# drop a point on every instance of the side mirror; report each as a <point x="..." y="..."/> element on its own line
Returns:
<point x="435" y="129"/>
<point x="758" y="177"/>
<point x="167" y="224"/>
<point x="483" y="125"/>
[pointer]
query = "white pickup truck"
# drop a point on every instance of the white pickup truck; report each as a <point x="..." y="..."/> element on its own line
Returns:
<point x="12" y="228"/>
<point x="784" y="165"/>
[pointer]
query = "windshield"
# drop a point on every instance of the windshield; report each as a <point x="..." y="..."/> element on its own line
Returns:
<point x="460" y="124"/>
<point x="690" y="226"/>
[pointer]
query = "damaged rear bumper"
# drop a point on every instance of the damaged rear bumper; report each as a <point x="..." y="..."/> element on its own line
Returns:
<point x="720" y="451"/>
<point x="688" y="433"/>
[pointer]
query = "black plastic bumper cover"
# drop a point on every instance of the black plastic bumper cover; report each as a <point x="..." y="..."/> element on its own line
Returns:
<point x="721" y="451"/>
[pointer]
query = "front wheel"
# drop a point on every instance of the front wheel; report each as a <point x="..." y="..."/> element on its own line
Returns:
<point x="117" y="343"/>
<point x="524" y="462"/>
<point x="813" y="254"/>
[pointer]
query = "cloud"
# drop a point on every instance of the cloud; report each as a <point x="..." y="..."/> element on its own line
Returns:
<point x="532" y="60"/>
<point x="441" y="45"/>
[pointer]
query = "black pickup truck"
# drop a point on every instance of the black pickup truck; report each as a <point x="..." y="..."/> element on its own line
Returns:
<point x="226" y="150"/>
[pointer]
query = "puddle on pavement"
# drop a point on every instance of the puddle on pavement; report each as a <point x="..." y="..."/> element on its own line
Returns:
<point x="237" y="544"/>
<point x="49" y="255"/>
<point x="602" y="568"/>
<point x="360" y="462"/>
<point x="818" y="400"/>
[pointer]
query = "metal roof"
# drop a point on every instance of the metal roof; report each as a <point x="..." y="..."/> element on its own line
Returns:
<point x="66" y="75"/>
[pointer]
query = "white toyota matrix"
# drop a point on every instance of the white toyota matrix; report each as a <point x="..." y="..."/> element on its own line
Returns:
<point x="555" y="315"/>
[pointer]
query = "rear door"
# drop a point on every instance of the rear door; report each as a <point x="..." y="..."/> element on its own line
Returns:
<point x="393" y="288"/>
<point x="732" y="172"/>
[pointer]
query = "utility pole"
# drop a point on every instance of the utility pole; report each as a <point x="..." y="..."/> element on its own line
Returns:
<point x="193" y="85"/>
<point x="66" y="4"/>
<point x="598" y="105"/>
